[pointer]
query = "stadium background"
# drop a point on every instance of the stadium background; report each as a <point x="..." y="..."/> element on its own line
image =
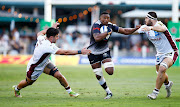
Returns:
<point x="132" y="79"/>
<point x="21" y="20"/>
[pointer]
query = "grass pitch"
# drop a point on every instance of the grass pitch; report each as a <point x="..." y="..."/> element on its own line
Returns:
<point x="130" y="86"/>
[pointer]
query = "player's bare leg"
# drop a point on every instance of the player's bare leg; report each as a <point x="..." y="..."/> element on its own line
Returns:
<point x="162" y="77"/>
<point x="166" y="76"/>
<point x="21" y="85"/>
<point x="109" y="66"/>
<point x="99" y="75"/>
<point x="50" y="69"/>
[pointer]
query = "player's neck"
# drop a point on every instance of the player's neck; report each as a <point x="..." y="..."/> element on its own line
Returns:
<point x="49" y="40"/>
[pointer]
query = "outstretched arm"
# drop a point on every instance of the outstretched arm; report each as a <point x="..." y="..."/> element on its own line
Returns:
<point x="73" y="52"/>
<point x="155" y="28"/>
<point x="128" y="31"/>
<point x="159" y="28"/>
<point x="43" y="32"/>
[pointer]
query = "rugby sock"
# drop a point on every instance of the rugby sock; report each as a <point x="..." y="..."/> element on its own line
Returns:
<point x="166" y="83"/>
<point x="156" y="91"/>
<point x="68" y="89"/>
<point x="108" y="90"/>
<point x="102" y="82"/>
<point x="16" y="88"/>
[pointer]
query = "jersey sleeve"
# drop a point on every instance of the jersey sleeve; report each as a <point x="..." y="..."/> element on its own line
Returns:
<point x="160" y="23"/>
<point x="140" y="29"/>
<point x="115" y="28"/>
<point x="96" y="28"/>
<point x="52" y="49"/>
<point x="40" y="37"/>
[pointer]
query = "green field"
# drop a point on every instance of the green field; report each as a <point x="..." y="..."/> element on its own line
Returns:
<point x="129" y="84"/>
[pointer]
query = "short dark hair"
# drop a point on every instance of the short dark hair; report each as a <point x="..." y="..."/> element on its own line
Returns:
<point x="104" y="12"/>
<point x="52" y="32"/>
<point x="153" y="14"/>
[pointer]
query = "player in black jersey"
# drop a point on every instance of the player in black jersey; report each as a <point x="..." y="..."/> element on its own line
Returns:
<point x="100" y="52"/>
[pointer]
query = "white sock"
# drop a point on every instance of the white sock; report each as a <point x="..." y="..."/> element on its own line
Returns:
<point x="16" y="89"/>
<point x="167" y="85"/>
<point x="156" y="91"/>
<point x="108" y="90"/>
<point x="69" y="90"/>
<point x="102" y="81"/>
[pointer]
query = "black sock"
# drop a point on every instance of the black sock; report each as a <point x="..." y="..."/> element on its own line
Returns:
<point x="166" y="83"/>
<point x="104" y="86"/>
<point x="68" y="87"/>
<point x="156" y="90"/>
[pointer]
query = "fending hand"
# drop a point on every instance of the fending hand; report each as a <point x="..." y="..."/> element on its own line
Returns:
<point x="55" y="25"/>
<point x="138" y="26"/>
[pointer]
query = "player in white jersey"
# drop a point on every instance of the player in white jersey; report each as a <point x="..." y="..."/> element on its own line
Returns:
<point x="40" y="63"/>
<point x="166" y="49"/>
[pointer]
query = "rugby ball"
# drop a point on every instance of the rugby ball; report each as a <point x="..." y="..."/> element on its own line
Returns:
<point x="104" y="29"/>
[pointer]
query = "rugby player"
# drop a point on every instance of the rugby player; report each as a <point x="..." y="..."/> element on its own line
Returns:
<point x="167" y="51"/>
<point x="100" y="53"/>
<point x="40" y="63"/>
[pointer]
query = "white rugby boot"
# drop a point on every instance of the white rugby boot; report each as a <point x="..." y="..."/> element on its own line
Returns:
<point x="168" y="88"/>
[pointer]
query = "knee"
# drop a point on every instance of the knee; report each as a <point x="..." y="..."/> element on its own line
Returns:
<point x="29" y="82"/>
<point x="162" y="69"/>
<point x="109" y="67"/>
<point x="163" y="66"/>
<point x="110" y="70"/>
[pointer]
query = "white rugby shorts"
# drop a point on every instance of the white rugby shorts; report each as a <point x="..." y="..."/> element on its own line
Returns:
<point x="160" y="57"/>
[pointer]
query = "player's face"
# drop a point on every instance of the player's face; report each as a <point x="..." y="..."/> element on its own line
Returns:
<point x="55" y="38"/>
<point x="148" y="21"/>
<point x="105" y="18"/>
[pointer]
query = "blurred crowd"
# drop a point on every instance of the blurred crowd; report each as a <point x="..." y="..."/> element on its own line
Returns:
<point x="13" y="43"/>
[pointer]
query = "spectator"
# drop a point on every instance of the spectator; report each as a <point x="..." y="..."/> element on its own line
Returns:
<point x="15" y="35"/>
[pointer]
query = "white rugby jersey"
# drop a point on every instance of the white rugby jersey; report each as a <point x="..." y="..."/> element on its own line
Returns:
<point x="44" y="48"/>
<point x="162" y="41"/>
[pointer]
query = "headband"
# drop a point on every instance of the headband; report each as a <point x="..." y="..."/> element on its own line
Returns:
<point x="151" y="17"/>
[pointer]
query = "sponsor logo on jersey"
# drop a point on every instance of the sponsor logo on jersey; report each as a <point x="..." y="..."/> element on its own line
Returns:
<point x="157" y="39"/>
<point x="96" y="28"/>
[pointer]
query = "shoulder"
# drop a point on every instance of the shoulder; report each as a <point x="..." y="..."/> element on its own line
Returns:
<point x="41" y="37"/>
<point x="109" y="23"/>
<point x="160" y="23"/>
<point x="98" y="22"/>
